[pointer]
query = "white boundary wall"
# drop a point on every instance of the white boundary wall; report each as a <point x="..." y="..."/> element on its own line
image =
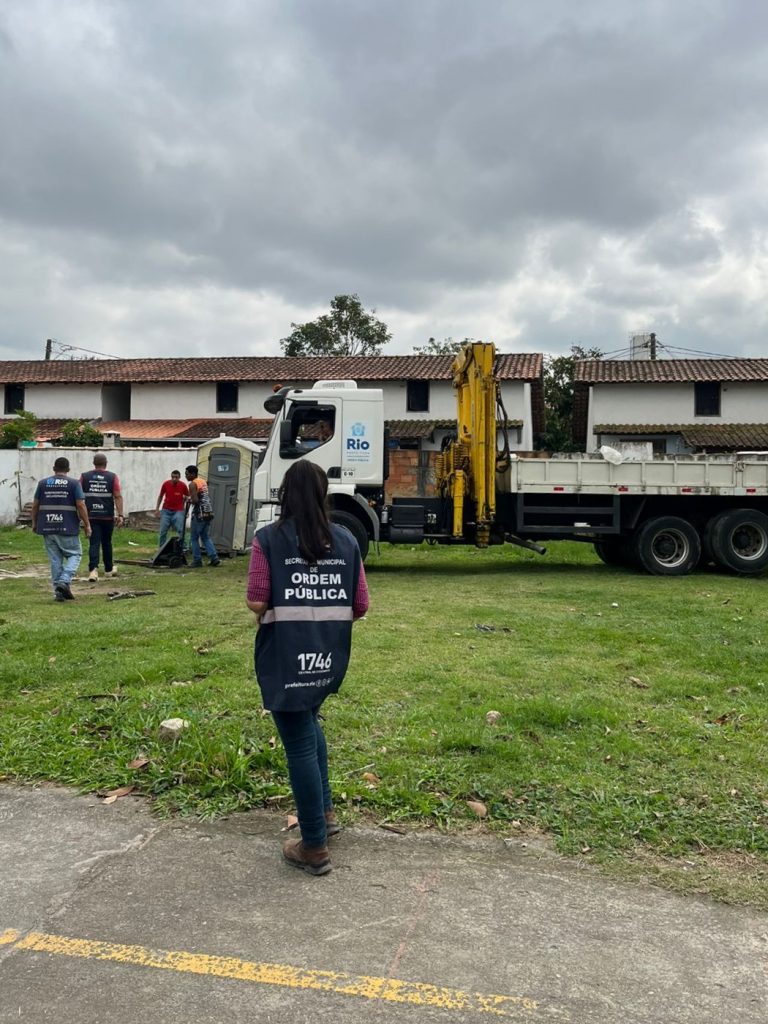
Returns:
<point x="141" y="472"/>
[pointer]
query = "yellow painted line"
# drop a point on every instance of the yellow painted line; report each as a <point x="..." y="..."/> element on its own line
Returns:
<point x="389" y="990"/>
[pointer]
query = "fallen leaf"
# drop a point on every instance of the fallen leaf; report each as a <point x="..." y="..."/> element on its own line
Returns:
<point x="291" y="822"/>
<point x="492" y="717"/>
<point x="370" y="777"/>
<point x="478" y="808"/>
<point x="637" y="682"/>
<point x="115" y="794"/>
<point x="139" y="762"/>
<point x="272" y="741"/>
<point x="52" y="659"/>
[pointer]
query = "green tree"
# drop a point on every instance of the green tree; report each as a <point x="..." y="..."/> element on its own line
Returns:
<point x="23" y="428"/>
<point x="346" y="331"/>
<point x="558" y="398"/>
<point x="446" y="347"/>
<point x="80" y="434"/>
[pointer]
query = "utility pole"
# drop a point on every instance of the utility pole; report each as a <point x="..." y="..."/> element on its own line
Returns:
<point x="653" y="346"/>
<point x="48" y="345"/>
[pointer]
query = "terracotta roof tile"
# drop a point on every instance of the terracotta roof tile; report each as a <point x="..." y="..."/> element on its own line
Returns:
<point x="426" y="428"/>
<point x="668" y="371"/>
<point x="190" y="429"/>
<point x="268" y="369"/>
<point x="723" y="436"/>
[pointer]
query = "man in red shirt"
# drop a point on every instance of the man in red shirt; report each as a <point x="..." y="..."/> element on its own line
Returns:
<point x="173" y="495"/>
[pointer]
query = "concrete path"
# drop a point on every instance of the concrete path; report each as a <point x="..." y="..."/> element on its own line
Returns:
<point x="107" y="914"/>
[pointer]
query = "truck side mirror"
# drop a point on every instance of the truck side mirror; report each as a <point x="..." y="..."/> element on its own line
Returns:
<point x="288" y="446"/>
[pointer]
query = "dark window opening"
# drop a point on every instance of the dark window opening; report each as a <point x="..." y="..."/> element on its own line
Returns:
<point x="417" y="398"/>
<point x="14" y="399"/>
<point x="707" y="398"/>
<point x="226" y="396"/>
<point x="308" y="426"/>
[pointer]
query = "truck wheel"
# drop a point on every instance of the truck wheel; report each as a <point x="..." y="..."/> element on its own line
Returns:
<point x="739" y="540"/>
<point x="355" y="527"/>
<point x="668" y="546"/>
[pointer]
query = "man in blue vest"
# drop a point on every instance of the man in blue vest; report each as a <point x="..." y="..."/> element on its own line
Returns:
<point x="103" y="499"/>
<point x="58" y="508"/>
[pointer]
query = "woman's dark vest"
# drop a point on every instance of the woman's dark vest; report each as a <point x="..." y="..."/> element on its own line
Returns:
<point x="58" y="511"/>
<point x="99" y="489"/>
<point x="304" y="640"/>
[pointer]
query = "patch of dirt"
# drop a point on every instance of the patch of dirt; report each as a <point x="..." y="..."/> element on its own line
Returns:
<point x="28" y="572"/>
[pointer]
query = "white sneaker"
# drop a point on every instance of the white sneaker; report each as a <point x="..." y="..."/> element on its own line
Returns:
<point x="93" y="575"/>
<point x="112" y="573"/>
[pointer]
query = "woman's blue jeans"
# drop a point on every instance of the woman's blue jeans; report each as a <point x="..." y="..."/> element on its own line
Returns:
<point x="307" y="755"/>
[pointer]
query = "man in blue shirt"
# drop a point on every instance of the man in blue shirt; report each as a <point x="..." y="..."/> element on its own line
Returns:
<point x="58" y="509"/>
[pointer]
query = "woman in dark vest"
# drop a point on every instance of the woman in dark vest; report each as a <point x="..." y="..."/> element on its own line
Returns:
<point x="306" y="584"/>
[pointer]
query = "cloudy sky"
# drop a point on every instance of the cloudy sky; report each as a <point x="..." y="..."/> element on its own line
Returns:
<point x="179" y="177"/>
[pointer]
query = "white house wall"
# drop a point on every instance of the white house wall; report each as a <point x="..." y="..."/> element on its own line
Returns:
<point x="183" y="400"/>
<point x="674" y="403"/>
<point x="63" y="401"/>
<point x="141" y="472"/>
<point x="178" y="401"/>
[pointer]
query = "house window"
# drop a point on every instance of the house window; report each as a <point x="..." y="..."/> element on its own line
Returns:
<point x="14" y="399"/>
<point x="707" y="398"/>
<point x="226" y="396"/>
<point x="417" y="396"/>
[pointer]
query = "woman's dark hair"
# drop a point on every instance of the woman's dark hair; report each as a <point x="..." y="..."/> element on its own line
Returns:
<point x="303" y="498"/>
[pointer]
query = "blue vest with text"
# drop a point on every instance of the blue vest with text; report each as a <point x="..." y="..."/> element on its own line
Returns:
<point x="99" y="491"/>
<point x="304" y="640"/>
<point x="58" y="513"/>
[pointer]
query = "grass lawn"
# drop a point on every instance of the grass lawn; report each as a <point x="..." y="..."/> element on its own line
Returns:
<point x="632" y="726"/>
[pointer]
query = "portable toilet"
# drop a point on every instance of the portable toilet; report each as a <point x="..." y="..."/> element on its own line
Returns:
<point x="228" y="464"/>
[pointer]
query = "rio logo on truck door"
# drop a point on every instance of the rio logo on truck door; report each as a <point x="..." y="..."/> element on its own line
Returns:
<point x="358" y="449"/>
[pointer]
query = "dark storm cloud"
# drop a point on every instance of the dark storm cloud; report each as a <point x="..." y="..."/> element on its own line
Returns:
<point x="282" y="152"/>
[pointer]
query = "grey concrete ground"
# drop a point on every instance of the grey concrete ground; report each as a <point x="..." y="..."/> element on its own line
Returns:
<point x="472" y="915"/>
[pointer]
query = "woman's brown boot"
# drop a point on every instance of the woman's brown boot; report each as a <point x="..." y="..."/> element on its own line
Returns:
<point x="314" y="859"/>
<point x="332" y="824"/>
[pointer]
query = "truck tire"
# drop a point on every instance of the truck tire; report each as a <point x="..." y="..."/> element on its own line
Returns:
<point x="614" y="552"/>
<point x="355" y="527"/>
<point x="739" y="540"/>
<point x="668" y="546"/>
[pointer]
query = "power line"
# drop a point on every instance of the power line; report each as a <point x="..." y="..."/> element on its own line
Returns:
<point x="699" y="352"/>
<point x="62" y="348"/>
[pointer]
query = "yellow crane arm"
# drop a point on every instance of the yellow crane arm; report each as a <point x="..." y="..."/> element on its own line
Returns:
<point x="467" y="468"/>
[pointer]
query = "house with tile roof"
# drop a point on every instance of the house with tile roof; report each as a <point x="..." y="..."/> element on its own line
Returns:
<point x="183" y="402"/>
<point x="679" y="406"/>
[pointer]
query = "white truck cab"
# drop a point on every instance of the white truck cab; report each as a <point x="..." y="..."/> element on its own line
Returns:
<point x="336" y="425"/>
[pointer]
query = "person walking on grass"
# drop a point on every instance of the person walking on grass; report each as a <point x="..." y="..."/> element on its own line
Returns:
<point x="173" y="498"/>
<point x="306" y="584"/>
<point x="103" y="499"/>
<point x="199" y="521"/>
<point x="58" y="508"/>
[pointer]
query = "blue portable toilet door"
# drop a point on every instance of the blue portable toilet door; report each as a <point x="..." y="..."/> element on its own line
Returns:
<point x="223" y="480"/>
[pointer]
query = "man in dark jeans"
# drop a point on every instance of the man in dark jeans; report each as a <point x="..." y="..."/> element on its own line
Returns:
<point x="103" y="499"/>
